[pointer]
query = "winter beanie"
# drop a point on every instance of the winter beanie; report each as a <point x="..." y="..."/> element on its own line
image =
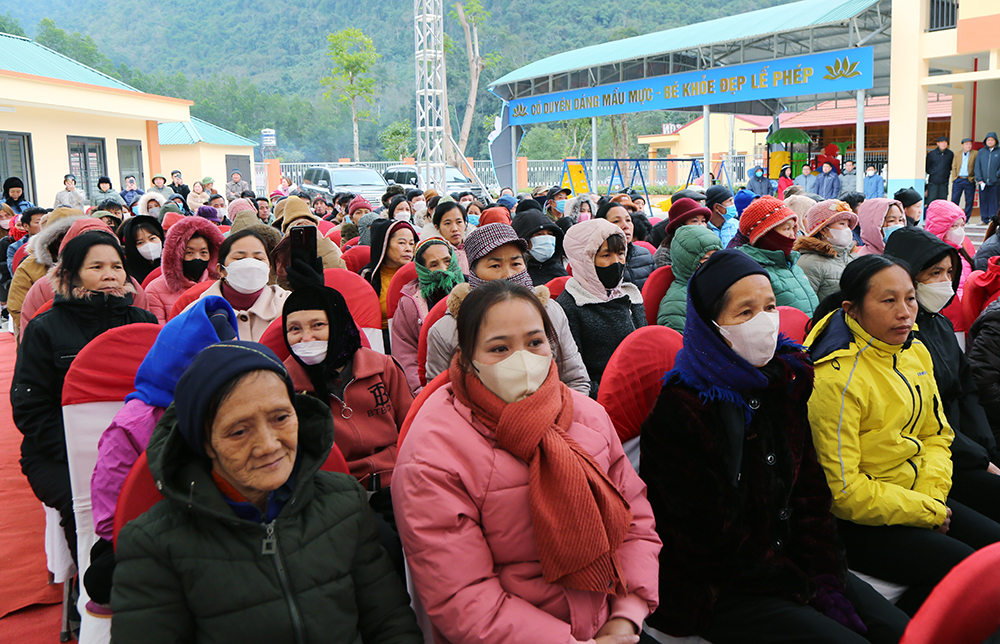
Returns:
<point x="762" y="216"/>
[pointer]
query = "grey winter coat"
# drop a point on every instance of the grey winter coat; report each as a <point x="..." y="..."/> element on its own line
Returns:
<point x="823" y="263"/>
<point x="442" y="340"/>
<point x="806" y="181"/>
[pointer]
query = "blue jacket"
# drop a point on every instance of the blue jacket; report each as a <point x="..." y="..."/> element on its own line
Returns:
<point x="874" y="187"/>
<point x="13" y="249"/>
<point x="807" y="181"/>
<point x="131" y="195"/>
<point x="178" y="342"/>
<point x="988" y="163"/>
<point x="828" y="185"/>
<point x="18" y="206"/>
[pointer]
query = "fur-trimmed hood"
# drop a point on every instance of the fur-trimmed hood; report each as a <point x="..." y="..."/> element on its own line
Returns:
<point x="146" y="198"/>
<point x="39" y="244"/>
<point x="816" y="245"/>
<point x="461" y="291"/>
<point x="172" y="260"/>
<point x="78" y="293"/>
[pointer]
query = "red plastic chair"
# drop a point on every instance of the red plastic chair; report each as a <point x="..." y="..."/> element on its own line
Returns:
<point x="324" y="227"/>
<point x="42" y="309"/>
<point x="436" y="313"/>
<point x="357" y="257"/>
<point x="556" y="286"/>
<point x="189" y="296"/>
<point x="633" y="378"/>
<point x="334" y="236"/>
<point x="351" y="243"/>
<point x="646" y="245"/>
<point x="406" y="274"/>
<point x="153" y="274"/>
<point x="362" y="302"/>
<point x="654" y="290"/>
<point x="92" y="394"/>
<point x="225" y="229"/>
<point x="442" y="378"/>
<point x="794" y="323"/>
<point x="654" y="220"/>
<point x="139" y="493"/>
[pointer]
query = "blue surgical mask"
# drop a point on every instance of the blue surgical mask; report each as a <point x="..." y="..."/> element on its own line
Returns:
<point x="759" y="174"/>
<point x="731" y="212"/>
<point x="543" y="247"/>
<point x="561" y="205"/>
<point x="472" y="220"/>
<point x="888" y="231"/>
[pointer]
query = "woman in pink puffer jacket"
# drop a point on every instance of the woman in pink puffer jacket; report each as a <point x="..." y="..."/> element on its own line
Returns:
<point x="521" y="518"/>
<point x="190" y="255"/>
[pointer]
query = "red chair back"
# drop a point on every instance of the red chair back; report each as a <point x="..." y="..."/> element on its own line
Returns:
<point x="225" y="229"/>
<point x="442" y="378"/>
<point x="406" y="274"/>
<point x="324" y="226"/>
<point x="19" y="255"/>
<point x="794" y="323"/>
<point x="42" y="309"/>
<point x="436" y="313"/>
<point x="362" y="302"/>
<point x="351" y="243"/>
<point x="646" y="245"/>
<point x="654" y="289"/>
<point x="334" y="236"/>
<point x="90" y="380"/>
<point x="357" y="257"/>
<point x="153" y="274"/>
<point x="633" y="377"/>
<point x="557" y="285"/>
<point x="654" y="220"/>
<point x="189" y="296"/>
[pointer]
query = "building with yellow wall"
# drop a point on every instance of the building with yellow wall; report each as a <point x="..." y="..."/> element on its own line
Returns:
<point x="199" y="149"/>
<point x="58" y="117"/>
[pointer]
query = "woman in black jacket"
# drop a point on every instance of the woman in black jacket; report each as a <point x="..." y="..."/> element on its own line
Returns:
<point x="92" y="294"/>
<point x="750" y="548"/>
<point x="142" y="237"/>
<point x="639" y="261"/>
<point x="984" y="359"/>
<point x="936" y="268"/>
<point x="545" y="256"/>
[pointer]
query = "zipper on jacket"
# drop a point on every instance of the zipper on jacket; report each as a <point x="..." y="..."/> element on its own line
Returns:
<point x="913" y="399"/>
<point x="345" y="409"/>
<point x="270" y="547"/>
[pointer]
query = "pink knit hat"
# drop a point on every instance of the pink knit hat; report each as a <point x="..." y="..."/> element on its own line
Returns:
<point x="829" y="212"/>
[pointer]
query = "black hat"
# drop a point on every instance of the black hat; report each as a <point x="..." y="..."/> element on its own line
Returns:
<point x="720" y="271"/>
<point x="697" y="195"/>
<point x="942" y="138"/>
<point x="908" y="197"/>
<point x="967" y="140"/>
<point x="717" y="194"/>
<point x="555" y="190"/>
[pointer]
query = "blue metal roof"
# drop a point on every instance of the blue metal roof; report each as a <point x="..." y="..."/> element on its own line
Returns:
<point x="24" y="56"/>
<point x="754" y="24"/>
<point x="198" y="131"/>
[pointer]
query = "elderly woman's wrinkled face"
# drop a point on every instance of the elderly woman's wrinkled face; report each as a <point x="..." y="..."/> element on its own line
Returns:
<point x="254" y="436"/>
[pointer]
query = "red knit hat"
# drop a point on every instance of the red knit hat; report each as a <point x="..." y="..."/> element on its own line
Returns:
<point x="683" y="211"/>
<point x="763" y="215"/>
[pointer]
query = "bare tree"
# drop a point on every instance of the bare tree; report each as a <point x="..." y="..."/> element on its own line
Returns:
<point x="470" y="16"/>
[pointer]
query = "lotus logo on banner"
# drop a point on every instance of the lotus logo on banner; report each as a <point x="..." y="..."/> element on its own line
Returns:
<point x="846" y="70"/>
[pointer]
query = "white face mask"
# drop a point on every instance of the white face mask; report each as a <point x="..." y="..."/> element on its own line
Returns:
<point x="515" y="377"/>
<point x="870" y="173"/>
<point x="842" y="237"/>
<point x="401" y="215"/>
<point x="312" y="352"/>
<point x="756" y="339"/>
<point x="151" y="250"/>
<point x="5" y="224"/>
<point x="955" y="236"/>
<point x="154" y="211"/>
<point x="934" y="296"/>
<point x="247" y="275"/>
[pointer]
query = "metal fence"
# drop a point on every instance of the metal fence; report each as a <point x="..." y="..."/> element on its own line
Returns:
<point x="944" y="15"/>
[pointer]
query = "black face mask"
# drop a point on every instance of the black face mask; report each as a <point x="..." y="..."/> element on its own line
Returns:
<point x="610" y="276"/>
<point x="194" y="268"/>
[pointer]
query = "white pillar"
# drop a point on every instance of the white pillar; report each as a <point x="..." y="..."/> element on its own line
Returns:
<point x="859" y="144"/>
<point x="513" y="155"/>
<point x="593" y="154"/>
<point x="707" y="154"/>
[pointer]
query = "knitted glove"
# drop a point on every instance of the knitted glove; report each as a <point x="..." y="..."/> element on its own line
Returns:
<point x="300" y="273"/>
<point x="830" y="601"/>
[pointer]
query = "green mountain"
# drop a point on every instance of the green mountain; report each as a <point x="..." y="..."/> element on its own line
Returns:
<point x="251" y="64"/>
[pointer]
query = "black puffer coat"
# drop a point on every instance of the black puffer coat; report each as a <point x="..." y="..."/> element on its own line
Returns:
<point x="974" y="445"/>
<point x="984" y="359"/>
<point x="638" y="265"/>
<point x="47" y="350"/>
<point x="531" y="222"/>
<point x="190" y="570"/>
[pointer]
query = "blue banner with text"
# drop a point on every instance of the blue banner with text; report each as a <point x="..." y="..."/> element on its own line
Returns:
<point x="835" y="71"/>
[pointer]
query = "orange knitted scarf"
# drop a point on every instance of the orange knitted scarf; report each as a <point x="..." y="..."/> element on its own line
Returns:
<point x="579" y="517"/>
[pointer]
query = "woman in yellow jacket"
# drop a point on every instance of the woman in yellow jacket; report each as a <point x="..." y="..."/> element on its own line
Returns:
<point x="882" y="437"/>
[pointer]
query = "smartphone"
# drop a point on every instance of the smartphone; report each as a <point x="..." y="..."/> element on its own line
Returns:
<point x="304" y="243"/>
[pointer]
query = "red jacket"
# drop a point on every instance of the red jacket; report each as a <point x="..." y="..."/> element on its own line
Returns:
<point x="981" y="289"/>
<point x="366" y="423"/>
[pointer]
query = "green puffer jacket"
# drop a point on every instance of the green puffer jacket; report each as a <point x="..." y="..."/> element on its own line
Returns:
<point x="688" y="246"/>
<point x="823" y="264"/>
<point x="190" y="570"/>
<point x="790" y="284"/>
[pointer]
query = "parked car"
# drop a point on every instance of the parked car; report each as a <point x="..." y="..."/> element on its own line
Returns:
<point x="328" y="180"/>
<point x="407" y="175"/>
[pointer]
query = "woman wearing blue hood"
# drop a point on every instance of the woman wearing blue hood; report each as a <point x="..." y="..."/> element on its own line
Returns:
<point x="750" y="548"/>
<point x="208" y="321"/>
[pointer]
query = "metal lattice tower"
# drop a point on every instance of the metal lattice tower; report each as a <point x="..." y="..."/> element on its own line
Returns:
<point x="429" y="31"/>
